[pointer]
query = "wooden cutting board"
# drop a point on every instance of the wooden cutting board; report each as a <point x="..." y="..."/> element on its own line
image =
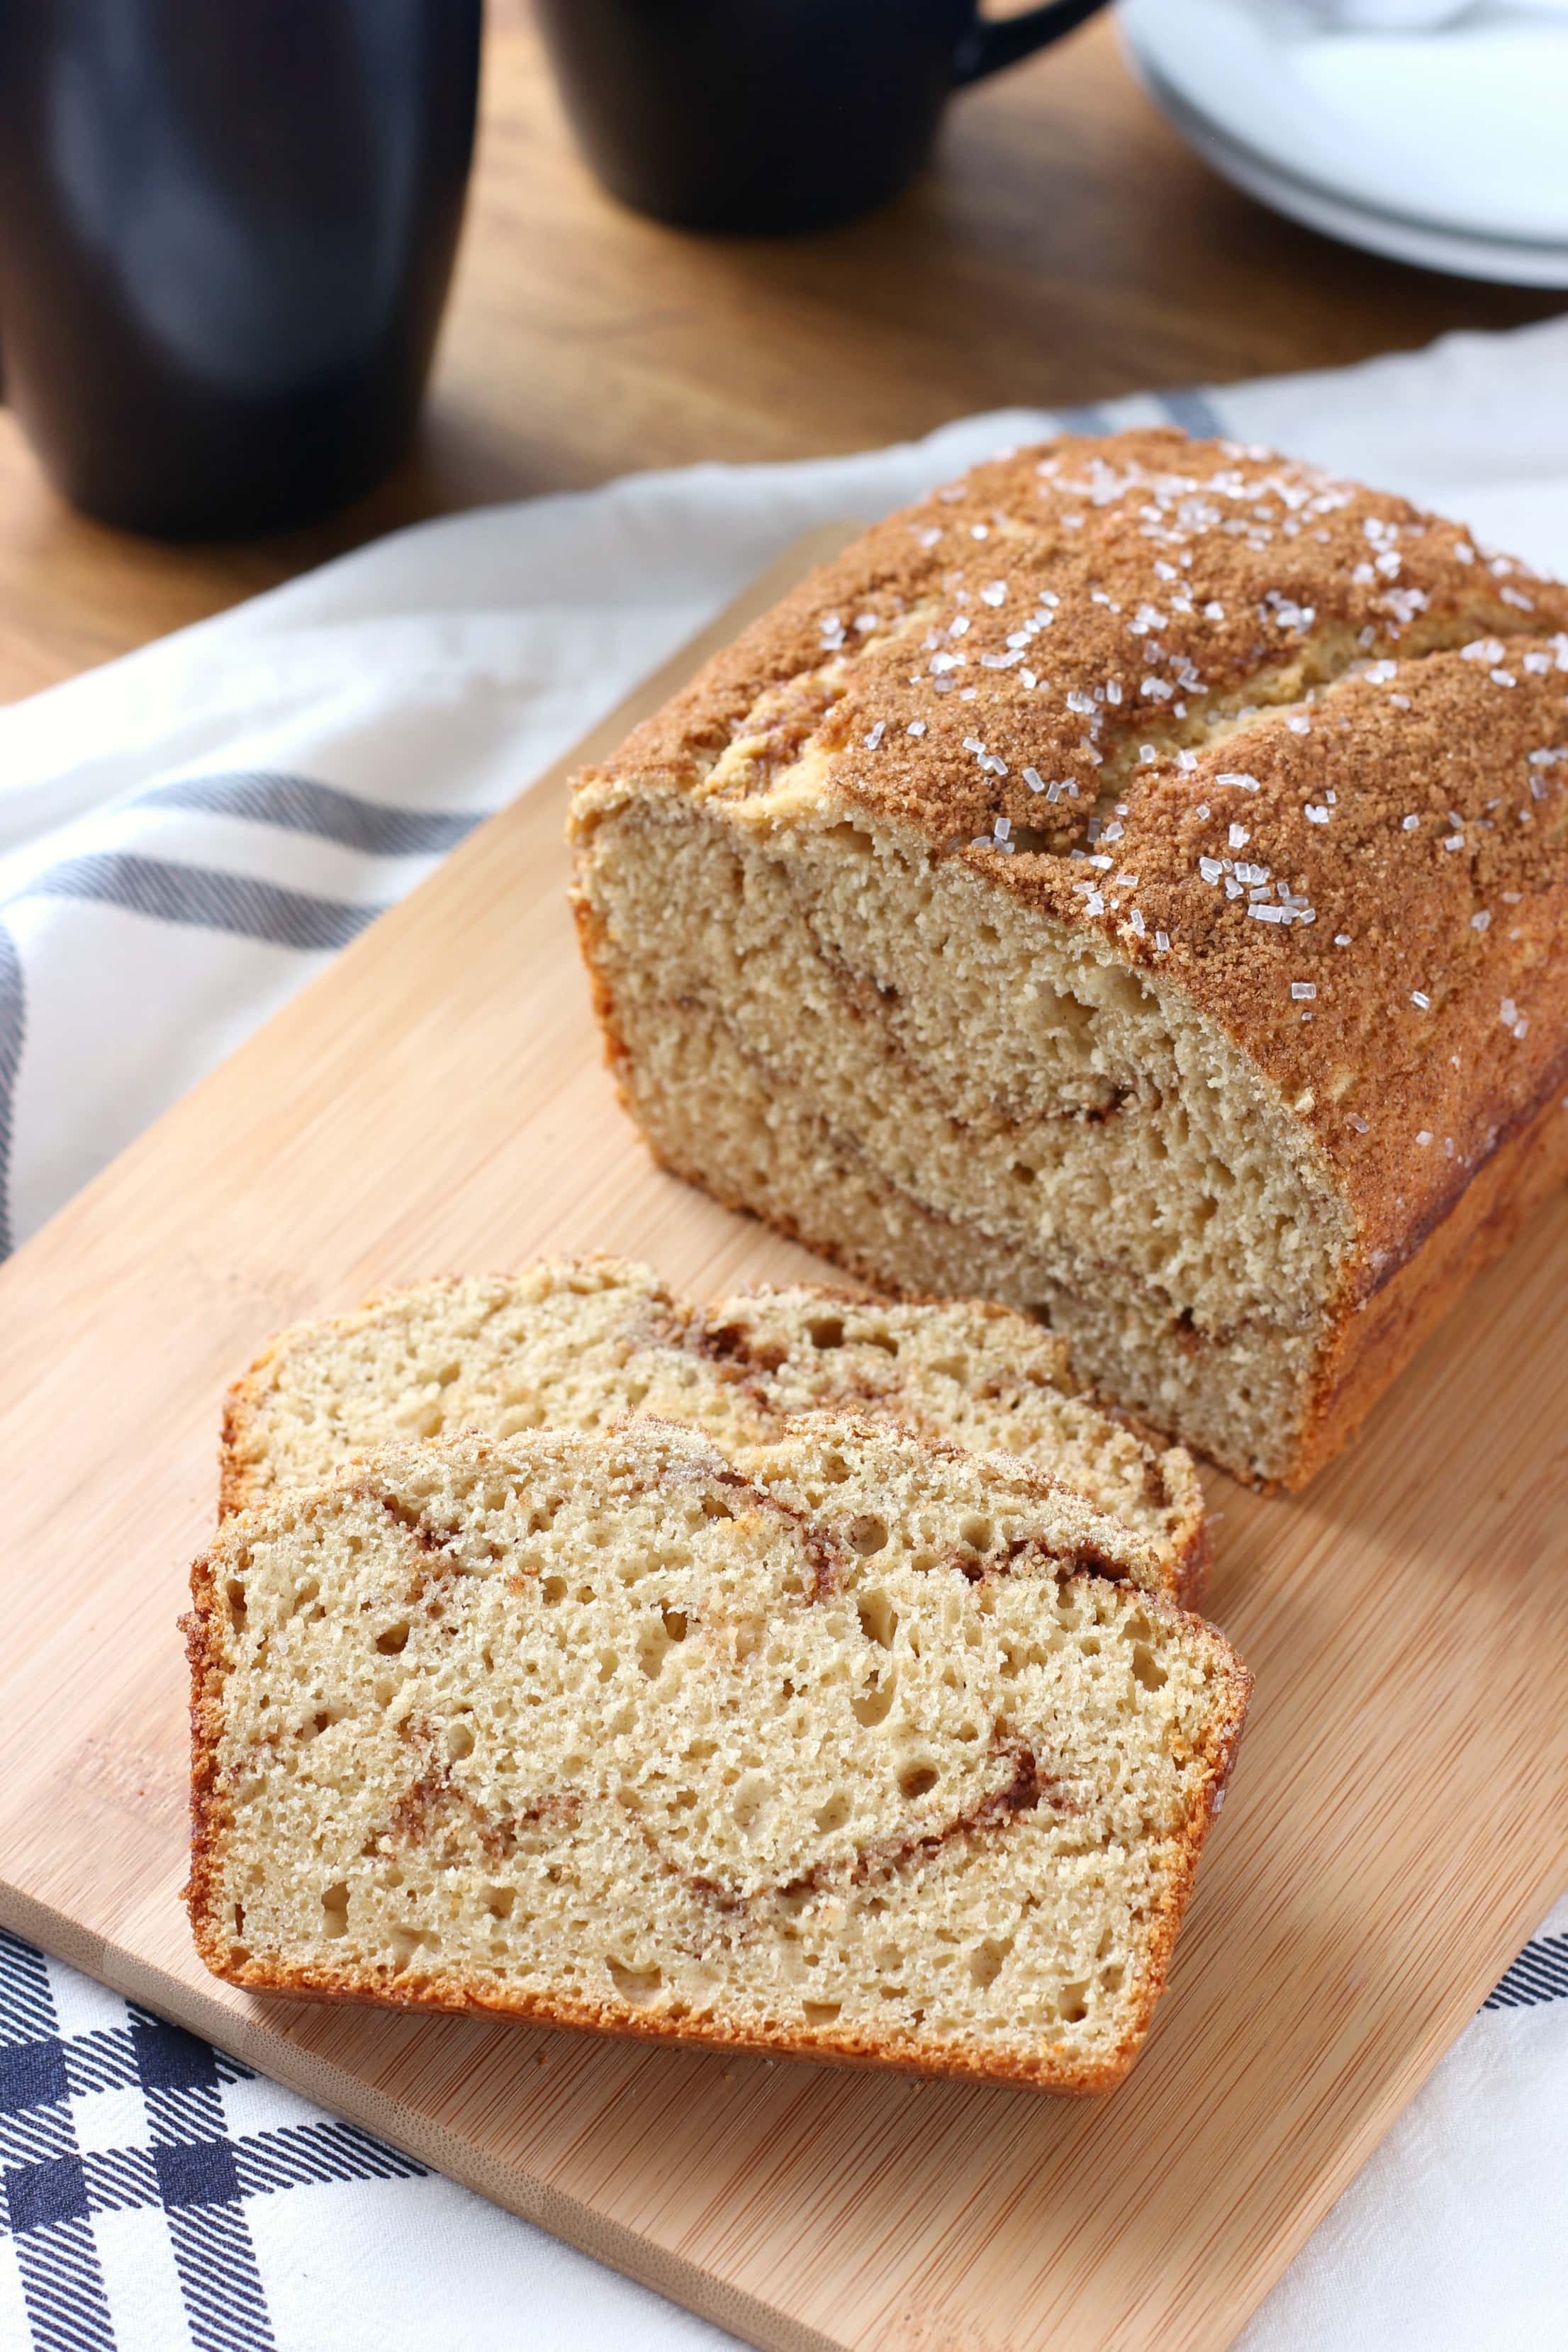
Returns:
<point x="1398" y="1820"/>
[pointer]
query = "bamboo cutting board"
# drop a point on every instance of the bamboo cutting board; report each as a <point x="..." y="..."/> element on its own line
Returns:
<point x="1399" y="1814"/>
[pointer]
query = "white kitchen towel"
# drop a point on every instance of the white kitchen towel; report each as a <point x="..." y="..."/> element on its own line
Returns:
<point x="186" y="835"/>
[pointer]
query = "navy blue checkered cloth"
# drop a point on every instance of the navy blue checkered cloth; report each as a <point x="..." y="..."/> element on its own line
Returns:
<point x="132" y="2118"/>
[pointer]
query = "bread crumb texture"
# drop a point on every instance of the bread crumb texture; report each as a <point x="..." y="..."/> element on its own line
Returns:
<point x="1129" y="884"/>
<point x="837" y="1757"/>
<point x="581" y="1343"/>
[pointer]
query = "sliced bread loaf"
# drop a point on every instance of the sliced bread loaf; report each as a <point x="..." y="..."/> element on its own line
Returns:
<point x="847" y="1757"/>
<point x="579" y="1344"/>
<point x="1131" y="884"/>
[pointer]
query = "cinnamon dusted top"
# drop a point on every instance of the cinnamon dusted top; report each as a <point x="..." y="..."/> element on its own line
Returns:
<point x="1290" y="742"/>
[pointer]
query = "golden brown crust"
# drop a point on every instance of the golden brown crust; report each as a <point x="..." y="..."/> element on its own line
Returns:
<point x="383" y="1986"/>
<point x="1161" y="571"/>
<point x="208" y="1806"/>
<point x="1195" y="1561"/>
<point x="236" y="1470"/>
<point x="1118" y="679"/>
<point x="1374" y="1342"/>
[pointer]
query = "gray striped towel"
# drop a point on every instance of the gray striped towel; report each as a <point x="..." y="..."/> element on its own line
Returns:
<point x="184" y="836"/>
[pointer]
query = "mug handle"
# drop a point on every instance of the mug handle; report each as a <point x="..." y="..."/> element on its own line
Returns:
<point x="986" y="48"/>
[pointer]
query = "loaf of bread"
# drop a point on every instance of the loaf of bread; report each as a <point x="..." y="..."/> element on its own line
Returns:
<point x="844" y="1758"/>
<point x="581" y="1343"/>
<point x="1130" y="884"/>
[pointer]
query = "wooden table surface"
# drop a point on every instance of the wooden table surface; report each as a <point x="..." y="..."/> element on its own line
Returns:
<point x="1066" y="247"/>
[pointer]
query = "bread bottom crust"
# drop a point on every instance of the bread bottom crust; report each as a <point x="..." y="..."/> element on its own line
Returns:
<point x="933" y="2062"/>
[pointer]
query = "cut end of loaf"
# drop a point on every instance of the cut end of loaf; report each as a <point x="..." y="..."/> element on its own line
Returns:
<point x="1026" y="1119"/>
<point x="843" y="1757"/>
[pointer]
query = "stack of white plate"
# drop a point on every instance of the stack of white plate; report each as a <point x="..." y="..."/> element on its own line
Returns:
<point x="1442" y="142"/>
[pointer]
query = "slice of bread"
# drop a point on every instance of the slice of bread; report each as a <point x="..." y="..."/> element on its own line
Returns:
<point x="971" y="1374"/>
<point x="579" y="1344"/>
<point x="847" y="1758"/>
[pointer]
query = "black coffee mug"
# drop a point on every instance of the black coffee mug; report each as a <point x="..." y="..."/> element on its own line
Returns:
<point x="764" y="115"/>
<point x="226" y="230"/>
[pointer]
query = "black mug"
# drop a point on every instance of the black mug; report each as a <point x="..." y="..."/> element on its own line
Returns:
<point x="226" y="230"/>
<point x="763" y="115"/>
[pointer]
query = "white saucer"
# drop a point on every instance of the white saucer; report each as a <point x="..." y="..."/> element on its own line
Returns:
<point x="1250" y="113"/>
<point x="1498" y="258"/>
